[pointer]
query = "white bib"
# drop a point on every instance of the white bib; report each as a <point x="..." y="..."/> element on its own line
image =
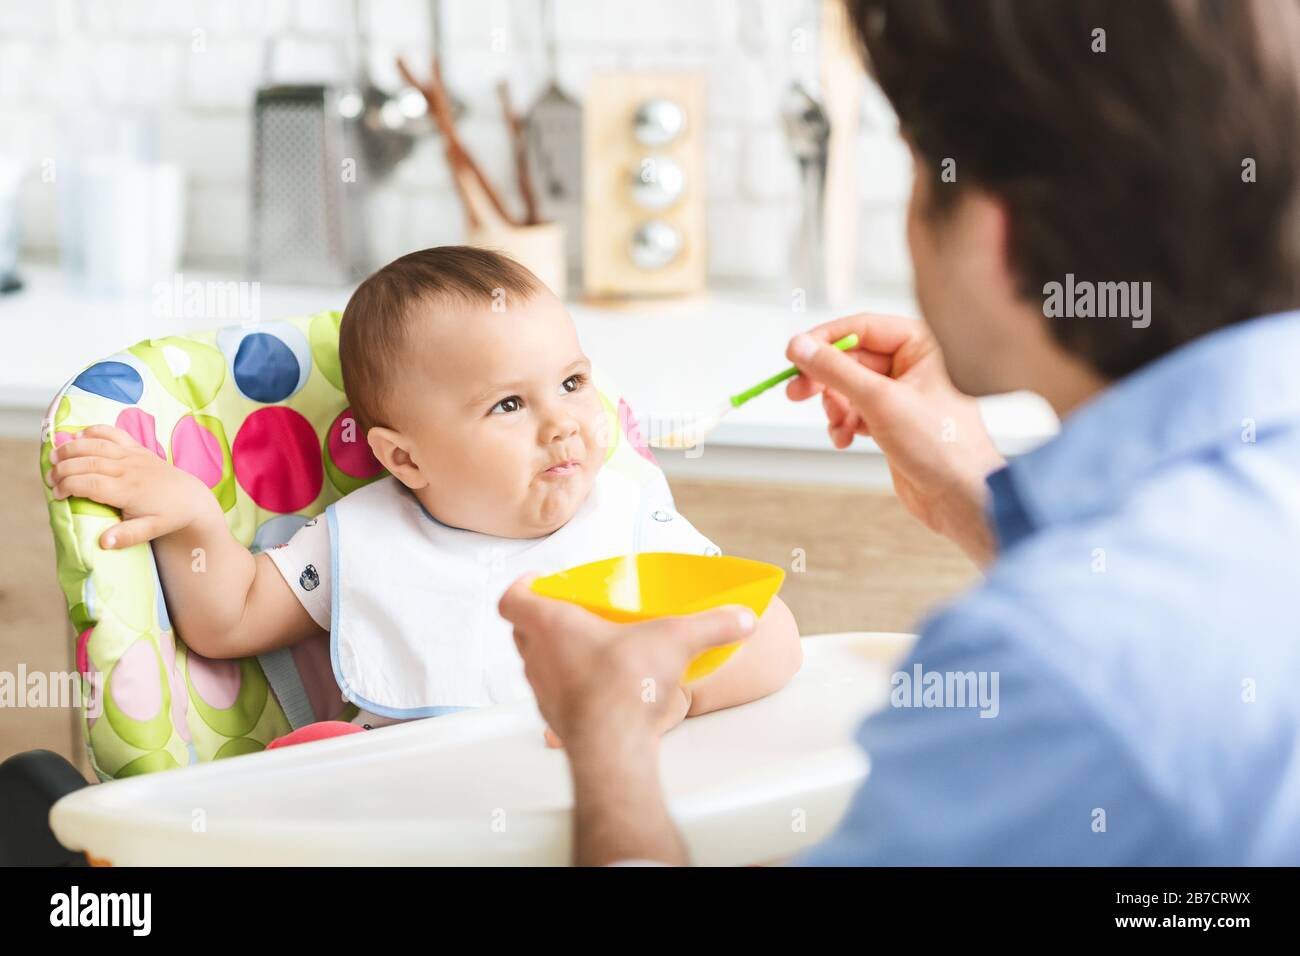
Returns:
<point x="414" y="628"/>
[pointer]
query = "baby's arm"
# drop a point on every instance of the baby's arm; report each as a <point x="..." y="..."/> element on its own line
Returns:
<point x="239" y="606"/>
<point x="223" y="601"/>
<point x="761" y="666"/>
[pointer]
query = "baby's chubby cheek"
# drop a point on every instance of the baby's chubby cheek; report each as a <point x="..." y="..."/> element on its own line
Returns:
<point x="599" y="433"/>
<point x="596" y="438"/>
<point x="589" y="472"/>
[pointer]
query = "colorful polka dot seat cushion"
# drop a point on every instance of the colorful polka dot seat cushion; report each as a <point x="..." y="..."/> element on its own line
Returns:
<point x="258" y="413"/>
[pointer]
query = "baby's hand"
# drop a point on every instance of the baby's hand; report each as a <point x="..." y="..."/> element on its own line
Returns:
<point x="105" y="464"/>
<point x="675" y="717"/>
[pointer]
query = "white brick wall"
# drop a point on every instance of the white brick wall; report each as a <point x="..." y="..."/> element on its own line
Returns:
<point x="196" y="64"/>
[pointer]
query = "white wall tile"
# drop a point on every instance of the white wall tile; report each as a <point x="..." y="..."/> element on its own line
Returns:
<point x="426" y="167"/>
<point x="399" y="22"/>
<point x="224" y="74"/>
<point x="434" y="219"/>
<point x="244" y="18"/>
<point x="768" y="170"/>
<point x="751" y="242"/>
<point x="307" y="59"/>
<point x="743" y="90"/>
<point x="766" y="25"/>
<point x="587" y="22"/>
<point x="67" y="82"/>
<point x="325" y="17"/>
<point x="884" y="168"/>
<point x="22" y="62"/>
<point x="387" y="210"/>
<point x="29" y="134"/>
<point x="217" y="224"/>
<point x="39" y="214"/>
<point x="471" y="76"/>
<point x="480" y="27"/>
<point x="197" y="63"/>
<point x="148" y="18"/>
<point x="722" y="163"/>
<point x="882" y="245"/>
<point x="136" y="75"/>
<point x="35" y="20"/>
<point x="210" y="147"/>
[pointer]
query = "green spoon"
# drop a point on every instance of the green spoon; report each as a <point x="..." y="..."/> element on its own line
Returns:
<point x="693" y="432"/>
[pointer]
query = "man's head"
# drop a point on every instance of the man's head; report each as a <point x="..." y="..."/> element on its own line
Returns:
<point x="1114" y="142"/>
<point x="466" y="377"/>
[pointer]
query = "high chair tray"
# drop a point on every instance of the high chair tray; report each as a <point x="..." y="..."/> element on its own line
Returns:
<point x="753" y="784"/>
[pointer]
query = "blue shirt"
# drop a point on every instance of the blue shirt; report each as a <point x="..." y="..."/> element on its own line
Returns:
<point x="1143" y="623"/>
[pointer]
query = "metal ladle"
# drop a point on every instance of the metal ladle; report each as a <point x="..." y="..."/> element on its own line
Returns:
<point x="389" y="123"/>
<point x="808" y="131"/>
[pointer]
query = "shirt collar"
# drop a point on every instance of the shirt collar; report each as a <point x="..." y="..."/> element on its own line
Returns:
<point x="1219" y="388"/>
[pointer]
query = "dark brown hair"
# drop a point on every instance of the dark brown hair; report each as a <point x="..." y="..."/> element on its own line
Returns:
<point x="1117" y="166"/>
<point x="375" y="332"/>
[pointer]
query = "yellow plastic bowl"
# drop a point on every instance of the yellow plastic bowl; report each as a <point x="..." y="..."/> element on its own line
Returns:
<point x="639" y="587"/>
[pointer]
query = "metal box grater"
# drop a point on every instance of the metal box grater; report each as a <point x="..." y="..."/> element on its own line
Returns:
<point x="308" y="214"/>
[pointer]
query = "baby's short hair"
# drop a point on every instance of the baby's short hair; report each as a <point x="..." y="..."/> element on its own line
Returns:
<point x="374" y="335"/>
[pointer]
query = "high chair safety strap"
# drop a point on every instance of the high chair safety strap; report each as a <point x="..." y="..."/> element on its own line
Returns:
<point x="282" y="674"/>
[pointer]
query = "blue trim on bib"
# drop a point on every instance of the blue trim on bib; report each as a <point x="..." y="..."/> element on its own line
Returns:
<point x="425" y="511"/>
<point x="396" y="713"/>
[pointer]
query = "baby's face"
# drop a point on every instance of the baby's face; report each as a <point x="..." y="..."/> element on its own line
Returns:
<point x="502" y="419"/>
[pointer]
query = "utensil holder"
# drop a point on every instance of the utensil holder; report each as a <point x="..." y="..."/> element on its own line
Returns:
<point x="540" y="248"/>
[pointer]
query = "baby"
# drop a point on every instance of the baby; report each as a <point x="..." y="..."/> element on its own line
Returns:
<point x="466" y="379"/>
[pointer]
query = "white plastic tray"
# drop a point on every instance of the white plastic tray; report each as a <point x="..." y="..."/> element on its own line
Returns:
<point x="752" y="784"/>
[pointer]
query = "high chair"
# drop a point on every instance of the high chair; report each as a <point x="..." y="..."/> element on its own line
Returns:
<point x="257" y="412"/>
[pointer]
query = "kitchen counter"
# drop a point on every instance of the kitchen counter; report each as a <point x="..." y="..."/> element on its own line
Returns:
<point x="669" y="359"/>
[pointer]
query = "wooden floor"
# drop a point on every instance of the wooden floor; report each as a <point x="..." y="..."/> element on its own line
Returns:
<point x="34" y="626"/>
<point x="854" y="560"/>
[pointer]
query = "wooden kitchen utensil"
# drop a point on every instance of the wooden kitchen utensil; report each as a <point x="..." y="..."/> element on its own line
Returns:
<point x="538" y="245"/>
<point x="842" y="78"/>
<point x="519" y="148"/>
<point x="458" y="157"/>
